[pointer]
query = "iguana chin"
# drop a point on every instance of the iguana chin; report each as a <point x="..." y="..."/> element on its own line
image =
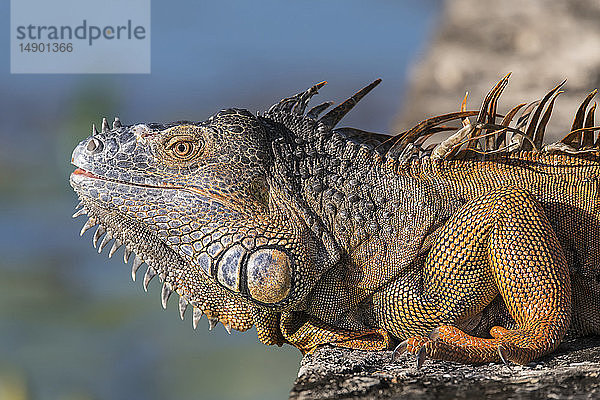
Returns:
<point x="482" y="247"/>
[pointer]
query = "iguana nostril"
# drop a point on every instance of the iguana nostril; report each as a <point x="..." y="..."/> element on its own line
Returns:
<point x="94" y="145"/>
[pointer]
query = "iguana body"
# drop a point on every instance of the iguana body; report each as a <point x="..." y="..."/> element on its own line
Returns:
<point x="319" y="235"/>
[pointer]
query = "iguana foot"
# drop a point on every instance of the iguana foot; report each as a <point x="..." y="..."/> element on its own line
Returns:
<point x="451" y="344"/>
<point x="415" y="345"/>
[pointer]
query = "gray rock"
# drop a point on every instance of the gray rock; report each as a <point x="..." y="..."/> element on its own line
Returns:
<point x="572" y="372"/>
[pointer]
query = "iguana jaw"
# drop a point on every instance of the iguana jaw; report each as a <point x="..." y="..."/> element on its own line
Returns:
<point x="80" y="173"/>
<point x="173" y="271"/>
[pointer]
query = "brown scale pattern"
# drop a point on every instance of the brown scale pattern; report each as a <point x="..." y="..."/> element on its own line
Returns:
<point x="501" y="243"/>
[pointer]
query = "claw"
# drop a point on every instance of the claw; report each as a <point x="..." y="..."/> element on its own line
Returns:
<point x="503" y="353"/>
<point x="434" y="334"/>
<point x="399" y="350"/>
<point x="227" y="328"/>
<point x="421" y="357"/>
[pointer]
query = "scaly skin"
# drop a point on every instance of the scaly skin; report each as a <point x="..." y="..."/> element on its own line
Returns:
<point x="481" y="248"/>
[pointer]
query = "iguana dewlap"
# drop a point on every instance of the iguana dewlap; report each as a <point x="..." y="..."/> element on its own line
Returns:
<point x="482" y="247"/>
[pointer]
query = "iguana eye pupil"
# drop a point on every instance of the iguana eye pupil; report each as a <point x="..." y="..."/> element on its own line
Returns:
<point x="183" y="149"/>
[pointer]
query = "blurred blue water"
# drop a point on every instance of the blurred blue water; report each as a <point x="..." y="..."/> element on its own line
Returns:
<point x="72" y="325"/>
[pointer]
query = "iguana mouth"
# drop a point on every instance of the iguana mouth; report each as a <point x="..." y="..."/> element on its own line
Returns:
<point x="198" y="191"/>
<point x="83" y="172"/>
<point x="88" y="174"/>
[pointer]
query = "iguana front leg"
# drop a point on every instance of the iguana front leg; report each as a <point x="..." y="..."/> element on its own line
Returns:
<point x="500" y="243"/>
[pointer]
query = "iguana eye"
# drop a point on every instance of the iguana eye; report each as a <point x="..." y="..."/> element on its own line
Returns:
<point x="183" y="149"/>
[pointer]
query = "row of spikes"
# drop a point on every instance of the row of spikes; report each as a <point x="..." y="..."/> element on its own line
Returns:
<point x="484" y="136"/>
<point x="105" y="127"/>
<point x="296" y="105"/>
<point x="137" y="263"/>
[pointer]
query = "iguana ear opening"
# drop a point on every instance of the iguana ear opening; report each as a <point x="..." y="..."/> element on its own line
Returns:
<point x="258" y="189"/>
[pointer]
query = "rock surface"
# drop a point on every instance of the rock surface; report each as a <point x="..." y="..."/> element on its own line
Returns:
<point x="572" y="372"/>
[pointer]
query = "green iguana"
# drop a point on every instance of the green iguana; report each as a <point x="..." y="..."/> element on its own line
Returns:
<point x="482" y="247"/>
